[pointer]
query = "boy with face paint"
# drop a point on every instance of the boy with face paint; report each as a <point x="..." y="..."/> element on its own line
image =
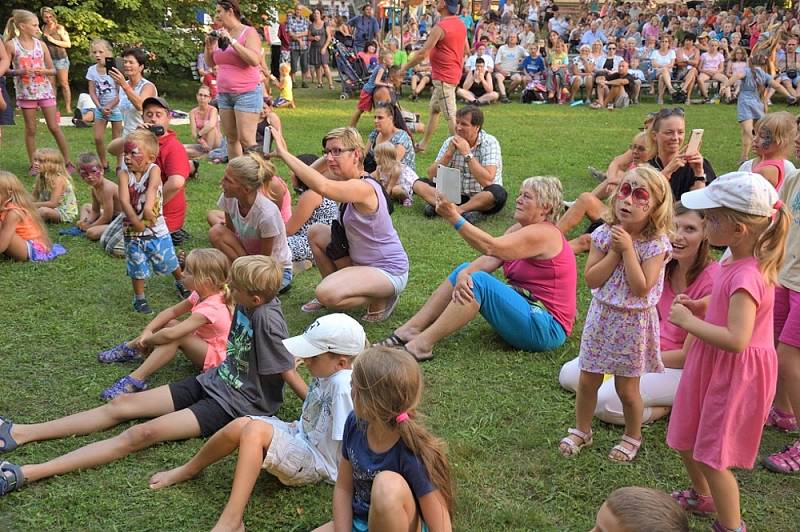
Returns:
<point x="95" y="216"/>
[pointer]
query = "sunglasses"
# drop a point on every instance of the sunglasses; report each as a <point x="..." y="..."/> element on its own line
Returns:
<point x="640" y="195"/>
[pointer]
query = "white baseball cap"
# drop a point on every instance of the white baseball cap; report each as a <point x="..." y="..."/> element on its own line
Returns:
<point x="739" y="191"/>
<point x="335" y="333"/>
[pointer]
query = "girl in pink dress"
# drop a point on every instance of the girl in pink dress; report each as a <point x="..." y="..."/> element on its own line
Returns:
<point x="728" y="381"/>
<point x="625" y="271"/>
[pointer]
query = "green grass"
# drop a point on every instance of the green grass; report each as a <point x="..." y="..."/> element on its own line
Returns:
<point x="501" y="411"/>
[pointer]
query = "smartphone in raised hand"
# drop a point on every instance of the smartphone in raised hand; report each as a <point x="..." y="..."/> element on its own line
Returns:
<point x="693" y="147"/>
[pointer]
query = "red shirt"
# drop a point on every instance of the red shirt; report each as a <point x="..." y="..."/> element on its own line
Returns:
<point x="210" y="81"/>
<point x="447" y="57"/>
<point x="172" y="160"/>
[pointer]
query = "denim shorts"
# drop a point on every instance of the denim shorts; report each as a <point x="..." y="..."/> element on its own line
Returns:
<point x="61" y="64"/>
<point x="245" y="102"/>
<point x="115" y="116"/>
<point x="147" y="254"/>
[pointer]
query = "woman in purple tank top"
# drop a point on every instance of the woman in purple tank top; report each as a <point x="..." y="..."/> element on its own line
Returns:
<point x="367" y="265"/>
<point x="534" y="310"/>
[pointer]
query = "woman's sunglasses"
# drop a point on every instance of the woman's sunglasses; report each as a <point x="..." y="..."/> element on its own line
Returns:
<point x="640" y="195"/>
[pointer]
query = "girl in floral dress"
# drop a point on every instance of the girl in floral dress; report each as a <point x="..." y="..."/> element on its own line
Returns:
<point x="625" y="271"/>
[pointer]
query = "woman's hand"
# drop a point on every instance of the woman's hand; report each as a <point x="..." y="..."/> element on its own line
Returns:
<point x="446" y="209"/>
<point x="621" y="240"/>
<point x="679" y="161"/>
<point x="462" y="291"/>
<point x="280" y="143"/>
<point x="117" y="76"/>
<point x="695" y="161"/>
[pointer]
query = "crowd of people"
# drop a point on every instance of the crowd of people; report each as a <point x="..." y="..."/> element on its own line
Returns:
<point x="680" y="332"/>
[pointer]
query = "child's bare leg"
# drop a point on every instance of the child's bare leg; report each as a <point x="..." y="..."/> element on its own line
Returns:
<point x="220" y="445"/>
<point x="17" y="248"/>
<point x="698" y="479"/>
<point x="725" y="491"/>
<point x="787" y="397"/>
<point x="392" y="505"/>
<point x="48" y="214"/>
<point x="192" y="346"/>
<point x="173" y="426"/>
<point x="86" y="212"/>
<point x="355" y="118"/>
<point x="138" y="286"/>
<point x="747" y="138"/>
<point x="96" y="231"/>
<point x="256" y="438"/>
<point x="585" y="403"/>
<point x="632" y="409"/>
<point x="398" y="193"/>
<point x="100" y="141"/>
<point x="55" y="130"/>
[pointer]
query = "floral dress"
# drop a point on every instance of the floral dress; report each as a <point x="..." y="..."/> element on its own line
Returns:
<point x="68" y="206"/>
<point x="326" y="213"/>
<point x="621" y="332"/>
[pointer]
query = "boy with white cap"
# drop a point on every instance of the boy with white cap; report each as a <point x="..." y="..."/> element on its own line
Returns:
<point x="302" y="452"/>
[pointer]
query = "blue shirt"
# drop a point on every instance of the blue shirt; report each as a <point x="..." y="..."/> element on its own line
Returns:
<point x="369" y="86"/>
<point x="590" y="36"/>
<point x="367" y="464"/>
<point x="532" y="65"/>
<point x="364" y="30"/>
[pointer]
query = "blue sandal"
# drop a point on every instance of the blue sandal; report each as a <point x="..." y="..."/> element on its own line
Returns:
<point x="9" y="443"/>
<point x="7" y="485"/>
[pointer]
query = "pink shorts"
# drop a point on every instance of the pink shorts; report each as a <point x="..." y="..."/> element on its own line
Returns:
<point x="787" y="316"/>
<point x="33" y="104"/>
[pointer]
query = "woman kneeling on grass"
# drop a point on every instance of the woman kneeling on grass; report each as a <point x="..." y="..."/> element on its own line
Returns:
<point x="535" y="310"/>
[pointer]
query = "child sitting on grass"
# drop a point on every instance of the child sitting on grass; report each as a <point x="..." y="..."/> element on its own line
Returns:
<point x="249" y="382"/>
<point x="147" y="240"/>
<point x="201" y="336"/>
<point x="303" y="452"/>
<point x="393" y="473"/>
<point x="95" y="216"/>
<point x="395" y="177"/>
<point x="22" y="233"/>
<point x="285" y="84"/>
<point x="633" y="508"/>
<point x="53" y="192"/>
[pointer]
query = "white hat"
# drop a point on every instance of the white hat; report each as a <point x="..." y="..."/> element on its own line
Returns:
<point x="335" y="333"/>
<point x="739" y="191"/>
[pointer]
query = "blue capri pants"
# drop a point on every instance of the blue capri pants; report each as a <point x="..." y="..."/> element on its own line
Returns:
<point x="519" y="322"/>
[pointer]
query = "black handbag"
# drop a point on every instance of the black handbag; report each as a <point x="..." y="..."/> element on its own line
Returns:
<point x="338" y="247"/>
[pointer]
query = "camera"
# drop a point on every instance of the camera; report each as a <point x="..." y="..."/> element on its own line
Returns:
<point x="158" y="131"/>
<point x="222" y="42"/>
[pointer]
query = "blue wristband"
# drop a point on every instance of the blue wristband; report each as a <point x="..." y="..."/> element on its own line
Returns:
<point x="461" y="221"/>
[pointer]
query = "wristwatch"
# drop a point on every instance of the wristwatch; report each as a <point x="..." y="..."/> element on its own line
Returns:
<point x="468" y="157"/>
<point x="701" y="177"/>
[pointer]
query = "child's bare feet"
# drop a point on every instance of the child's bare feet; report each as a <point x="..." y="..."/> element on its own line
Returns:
<point x="223" y="525"/>
<point x="165" y="479"/>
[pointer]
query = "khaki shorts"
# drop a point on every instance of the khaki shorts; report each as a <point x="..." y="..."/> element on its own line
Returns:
<point x="289" y="457"/>
<point x="443" y="99"/>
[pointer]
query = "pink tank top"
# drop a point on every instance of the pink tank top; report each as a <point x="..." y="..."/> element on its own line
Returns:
<point x="200" y="120"/>
<point x="234" y="75"/>
<point x="778" y="164"/>
<point x="286" y="204"/>
<point x="37" y="86"/>
<point x="553" y="282"/>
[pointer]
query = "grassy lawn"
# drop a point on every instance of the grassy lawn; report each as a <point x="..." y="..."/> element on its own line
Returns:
<point x="501" y="411"/>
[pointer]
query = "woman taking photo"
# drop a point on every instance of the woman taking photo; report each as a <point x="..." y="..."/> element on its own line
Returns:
<point x="236" y="51"/>
<point x="360" y="258"/>
<point x="320" y="38"/>
<point x="56" y="38"/>
<point x="134" y="91"/>
<point x="534" y="310"/>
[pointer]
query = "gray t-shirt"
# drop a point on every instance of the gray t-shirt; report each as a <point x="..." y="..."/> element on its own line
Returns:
<point x="249" y="381"/>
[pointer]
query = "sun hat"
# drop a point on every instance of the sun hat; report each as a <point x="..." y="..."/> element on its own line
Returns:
<point x="744" y="192"/>
<point x="334" y="333"/>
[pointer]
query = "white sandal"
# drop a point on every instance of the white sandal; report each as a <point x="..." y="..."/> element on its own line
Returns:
<point x="570" y="447"/>
<point x="629" y="454"/>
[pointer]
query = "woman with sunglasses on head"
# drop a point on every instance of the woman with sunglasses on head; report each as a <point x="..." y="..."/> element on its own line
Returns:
<point x="684" y="171"/>
<point x="235" y="49"/>
<point x="361" y="259"/>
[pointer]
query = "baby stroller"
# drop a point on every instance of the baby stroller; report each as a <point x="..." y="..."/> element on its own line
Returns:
<point x="351" y="69"/>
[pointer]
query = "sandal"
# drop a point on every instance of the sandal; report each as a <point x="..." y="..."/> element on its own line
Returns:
<point x="9" y="443"/>
<point x="313" y="306"/>
<point x="378" y="316"/>
<point x="392" y="341"/>
<point x="691" y="501"/>
<point x="718" y="527"/>
<point x="416" y="357"/>
<point x="787" y="461"/>
<point x="781" y="420"/>
<point x="629" y="454"/>
<point x="181" y="255"/>
<point x="119" y="353"/>
<point x="12" y="483"/>
<point x="570" y="447"/>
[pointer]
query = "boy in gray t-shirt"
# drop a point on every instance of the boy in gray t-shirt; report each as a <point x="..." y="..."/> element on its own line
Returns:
<point x="250" y="381"/>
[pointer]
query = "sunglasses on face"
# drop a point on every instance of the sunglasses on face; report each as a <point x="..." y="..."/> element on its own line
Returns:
<point x="639" y="195"/>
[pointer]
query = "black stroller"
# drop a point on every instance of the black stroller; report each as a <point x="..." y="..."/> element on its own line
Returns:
<point x="351" y="68"/>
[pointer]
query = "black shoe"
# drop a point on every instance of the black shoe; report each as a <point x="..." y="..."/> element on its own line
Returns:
<point x="182" y="290"/>
<point x="473" y="217"/>
<point x="140" y="305"/>
<point x="413" y="97"/>
<point x="195" y="168"/>
<point x="179" y="237"/>
<point x="304" y="85"/>
<point x="429" y="211"/>
<point x="505" y="99"/>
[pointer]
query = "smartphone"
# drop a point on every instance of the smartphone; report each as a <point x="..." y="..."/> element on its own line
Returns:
<point x="109" y="64"/>
<point x="266" y="146"/>
<point x="694" y="142"/>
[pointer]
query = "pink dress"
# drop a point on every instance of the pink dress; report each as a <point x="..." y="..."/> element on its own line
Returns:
<point x="215" y="332"/>
<point x="620" y="334"/>
<point x="723" y="398"/>
<point x="672" y="336"/>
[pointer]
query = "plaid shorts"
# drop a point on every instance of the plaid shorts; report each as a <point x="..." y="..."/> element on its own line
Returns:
<point x="113" y="240"/>
<point x="144" y="253"/>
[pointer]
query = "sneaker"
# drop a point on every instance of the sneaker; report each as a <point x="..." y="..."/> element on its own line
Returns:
<point x="473" y="217"/>
<point x="126" y="384"/>
<point x="429" y="211"/>
<point x="140" y="305"/>
<point x="183" y="292"/>
<point x="118" y="353"/>
<point x="781" y="420"/>
<point x="505" y="99"/>
<point x="787" y="461"/>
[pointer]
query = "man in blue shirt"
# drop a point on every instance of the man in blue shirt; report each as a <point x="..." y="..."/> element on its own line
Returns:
<point x="594" y="34"/>
<point x="365" y="28"/>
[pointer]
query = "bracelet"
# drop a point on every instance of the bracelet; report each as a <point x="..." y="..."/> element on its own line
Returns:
<point x="461" y="221"/>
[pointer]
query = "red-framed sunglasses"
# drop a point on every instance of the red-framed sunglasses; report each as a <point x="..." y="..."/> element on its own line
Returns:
<point x="640" y="195"/>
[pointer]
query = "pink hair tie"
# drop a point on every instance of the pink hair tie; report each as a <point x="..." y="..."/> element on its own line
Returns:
<point x="402" y="417"/>
<point x="778" y="205"/>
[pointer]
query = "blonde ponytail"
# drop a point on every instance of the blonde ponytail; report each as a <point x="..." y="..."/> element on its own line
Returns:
<point x="770" y="246"/>
<point x="18" y="16"/>
<point x="251" y="170"/>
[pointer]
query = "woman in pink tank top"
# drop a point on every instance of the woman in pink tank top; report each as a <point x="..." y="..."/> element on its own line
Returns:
<point x="204" y="125"/>
<point x="534" y="310"/>
<point x="236" y="51"/>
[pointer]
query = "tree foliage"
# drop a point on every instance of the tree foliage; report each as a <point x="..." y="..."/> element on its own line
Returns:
<point x="168" y="29"/>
